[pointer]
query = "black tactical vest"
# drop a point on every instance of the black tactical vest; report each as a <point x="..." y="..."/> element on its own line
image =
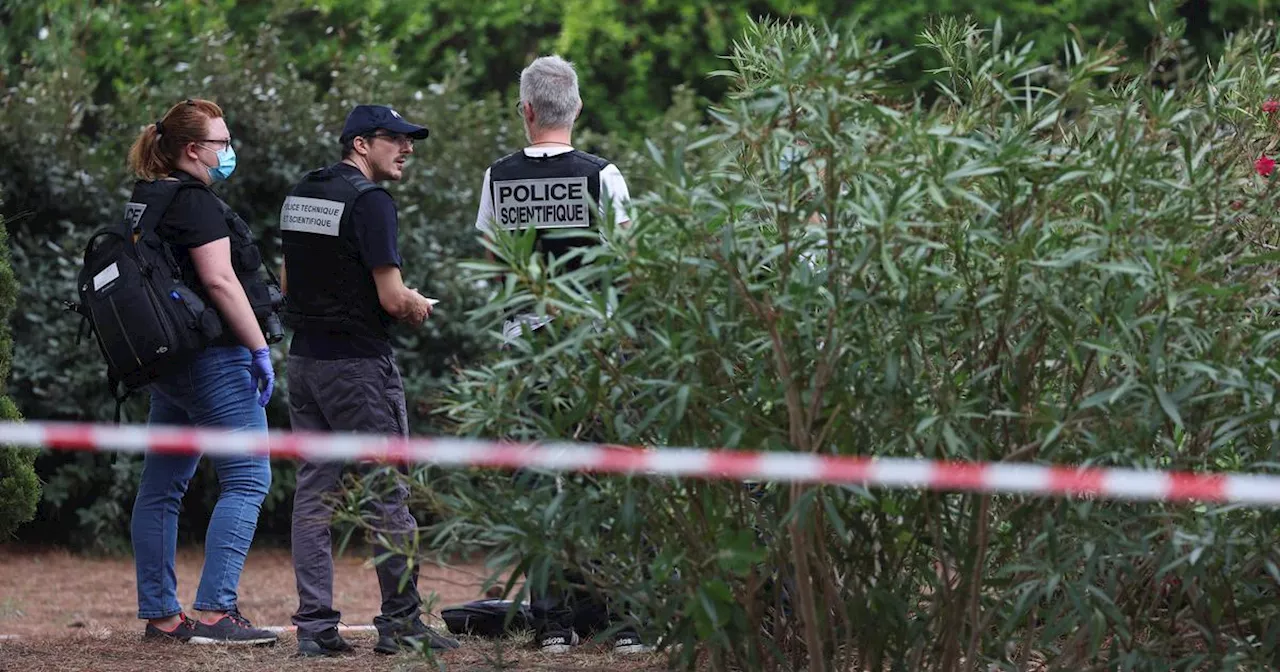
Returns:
<point x="330" y="290"/>
<point x="557" y="194"/>
<point x="246" y="259"/>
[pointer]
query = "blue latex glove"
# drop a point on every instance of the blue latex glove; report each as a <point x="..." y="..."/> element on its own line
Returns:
<point x="264" y="377"/>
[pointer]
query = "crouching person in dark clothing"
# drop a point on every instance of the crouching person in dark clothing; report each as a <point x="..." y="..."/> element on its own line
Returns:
<point x="344" y="289"/>
<point x="571" y="607"/>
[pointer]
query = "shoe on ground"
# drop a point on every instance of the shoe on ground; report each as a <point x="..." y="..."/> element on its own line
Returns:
<point x="325" y="643"/>
<point x="415" y="637"/>
<point x="628" y="642"/>
<point x="232" y="629"/>
<point x="180" y="633"/>
<point x="557" y="640"/>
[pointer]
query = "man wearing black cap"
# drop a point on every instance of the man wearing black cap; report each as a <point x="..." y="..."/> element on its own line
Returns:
<point x="343" y="290"/>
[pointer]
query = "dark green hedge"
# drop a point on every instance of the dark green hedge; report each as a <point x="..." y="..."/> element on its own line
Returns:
<point x="19" y="488"/>
<point x="630" y="54"/>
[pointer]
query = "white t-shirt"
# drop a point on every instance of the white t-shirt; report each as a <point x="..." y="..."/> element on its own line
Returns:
<point x="612" y="186"/>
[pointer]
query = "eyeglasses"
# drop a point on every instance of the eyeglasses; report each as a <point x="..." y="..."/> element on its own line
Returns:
<point x="398" y="138"/>
<point x="216" y="145"/>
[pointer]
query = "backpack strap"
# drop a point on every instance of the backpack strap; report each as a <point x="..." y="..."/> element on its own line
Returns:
<point x="119" y="393"/>
<point x="86" y="325"/>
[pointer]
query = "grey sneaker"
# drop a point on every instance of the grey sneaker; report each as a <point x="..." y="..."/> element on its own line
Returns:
<point x="180" y="633"/>
<point x="232" y="629"/>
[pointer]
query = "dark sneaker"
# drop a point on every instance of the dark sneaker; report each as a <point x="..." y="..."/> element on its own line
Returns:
<point x="180" y="633"/>
<point x="416" y="637"/>
<point x="232" y="629"/>
<point x="628" y="641"/>
<point x="325" y="643"/>
<point x="557" y="640"/>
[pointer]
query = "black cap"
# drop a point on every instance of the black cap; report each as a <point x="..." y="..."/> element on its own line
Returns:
<point x="368" y="118"/>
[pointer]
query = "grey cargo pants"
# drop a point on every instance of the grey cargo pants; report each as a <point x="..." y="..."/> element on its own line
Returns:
<point x="348" y="395"/>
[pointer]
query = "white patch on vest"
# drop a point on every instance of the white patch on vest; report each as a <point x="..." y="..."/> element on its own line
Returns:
<point x="133" y="214"/>
<point x="551" y="203"/>
<point x="105" y="276"/>
<point x="311" y="215"/>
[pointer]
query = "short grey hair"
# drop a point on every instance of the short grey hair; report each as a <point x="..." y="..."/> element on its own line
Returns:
<point x="550" y="85"/>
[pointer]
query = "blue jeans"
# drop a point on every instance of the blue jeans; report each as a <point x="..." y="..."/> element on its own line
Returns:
<point x="213" y="390"/>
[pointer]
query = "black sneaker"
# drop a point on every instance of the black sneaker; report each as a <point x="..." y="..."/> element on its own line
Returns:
<point x="415" y="637"/>
<point x="325" y="643"/>
<point x="180" y="633"/>
<point x="557" y="640"/>
<point x="628" y="641"/>
<point x="234" y="629"/>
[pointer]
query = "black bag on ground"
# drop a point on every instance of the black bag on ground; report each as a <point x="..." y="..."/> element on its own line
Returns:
<point x="488" y="618"/>
<point x="132" y="297"/>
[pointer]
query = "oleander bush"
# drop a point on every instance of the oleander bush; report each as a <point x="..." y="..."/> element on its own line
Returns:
<point x="1066" y="263"/>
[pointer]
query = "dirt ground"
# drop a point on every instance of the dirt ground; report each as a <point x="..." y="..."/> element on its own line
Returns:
<point x="65" y="612"/>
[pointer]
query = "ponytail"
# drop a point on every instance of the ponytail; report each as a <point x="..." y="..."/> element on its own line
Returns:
<point x="156" y="150"/>
<point x="145" y="158"/>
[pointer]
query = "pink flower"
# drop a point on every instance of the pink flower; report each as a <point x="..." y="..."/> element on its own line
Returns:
<point x="1264" y="165"/>
<point x="1271" y="106"/>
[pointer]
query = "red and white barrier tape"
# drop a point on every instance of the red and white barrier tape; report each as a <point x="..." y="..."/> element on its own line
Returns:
<point x="893" y="473"/>
<point x="341" y="628"/>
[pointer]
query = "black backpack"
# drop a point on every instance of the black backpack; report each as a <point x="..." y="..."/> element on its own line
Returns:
<point x="133" y="300"/>
<point x="498" y="618"/>
<point x="488" y="618"/>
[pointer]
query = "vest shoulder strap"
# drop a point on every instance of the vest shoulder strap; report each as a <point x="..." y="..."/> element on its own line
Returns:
<point x="361" y="183"/>
<point x="145" y="225"/>
<point x="513" y="156"/>
<point x="597" y="161"/>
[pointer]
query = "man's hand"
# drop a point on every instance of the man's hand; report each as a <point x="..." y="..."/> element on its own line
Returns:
<point x="403" y="303"/>
<point x="419" y="308"/>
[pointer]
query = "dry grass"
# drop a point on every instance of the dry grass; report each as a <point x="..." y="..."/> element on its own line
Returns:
<point x="52" y="592"/>
<point x="119" y="652"/>
<point x="75" y="613"/>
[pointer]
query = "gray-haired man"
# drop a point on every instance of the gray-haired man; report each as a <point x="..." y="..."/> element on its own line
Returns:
<point x="550" y="186"/>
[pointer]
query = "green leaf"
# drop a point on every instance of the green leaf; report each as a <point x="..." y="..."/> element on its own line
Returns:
<point x="1169" y="406"/>
<point x="682" y="403"/>
<point x="972" y="170"/>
